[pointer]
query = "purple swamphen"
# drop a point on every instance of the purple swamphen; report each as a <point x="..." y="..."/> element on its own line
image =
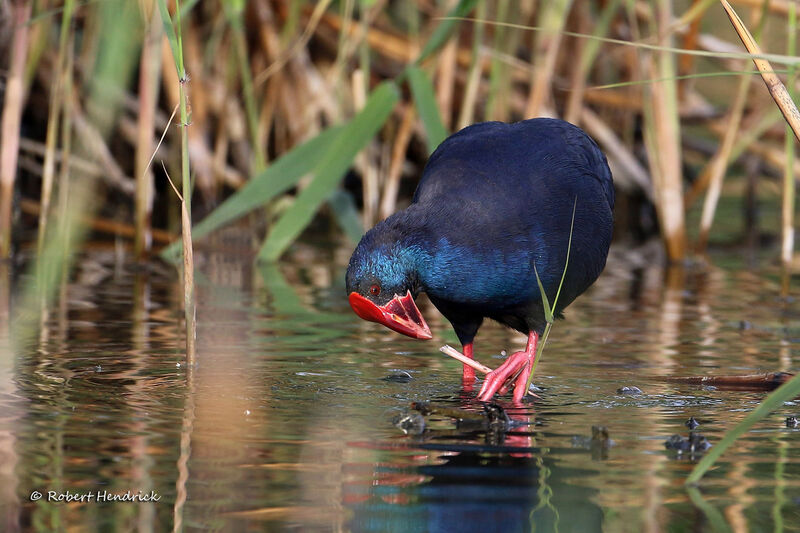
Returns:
<point x="495" y="201"/>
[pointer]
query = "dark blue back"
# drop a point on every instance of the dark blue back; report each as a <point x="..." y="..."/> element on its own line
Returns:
<point x="497" y="198"/>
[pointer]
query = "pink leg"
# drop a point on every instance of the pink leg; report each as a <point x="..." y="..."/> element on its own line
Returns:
<point x="469" y="373"/>
<point x="519" y="365"/>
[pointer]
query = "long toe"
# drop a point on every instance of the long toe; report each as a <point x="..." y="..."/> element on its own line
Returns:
<point x="498" y="377"/>
<point x="520" y="384"/>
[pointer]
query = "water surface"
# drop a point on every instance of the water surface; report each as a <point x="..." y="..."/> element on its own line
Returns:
<point x="286" y="422"/>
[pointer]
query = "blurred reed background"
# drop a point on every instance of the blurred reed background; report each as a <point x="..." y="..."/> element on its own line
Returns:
<point x="299" y="108"/>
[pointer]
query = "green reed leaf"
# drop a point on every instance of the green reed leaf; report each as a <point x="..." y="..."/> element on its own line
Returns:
<point x="548" y="311"/>
<point x="283" y="174"/>
<point x="773" y="402"/>
<point x="330" y="168"/>
<point x="425" y="100"/>
<point x="172" y="37"/>
<point x="446" y="28"/>
<point x="346" y="213"/>
<point x="569" y="249"/>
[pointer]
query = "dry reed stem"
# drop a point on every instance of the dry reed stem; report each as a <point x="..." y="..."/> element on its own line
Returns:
<point x="578" y="77"/>
<point x="455" y="354"/>
<point x="622" y="99"/>
<point x="467" y="113"/>
<point x="789" y="187"/>
<point x="190" y="310"/>
<point x="662" y="135"/>
<point x="780" y="7"/>
<point x="12" y="115"/>
<point x="188" y="283"/>
<point x="497" y="97"/>
<point x="553" y="15"/>
<point x="445" y="80"/>
<point x="149" y="78"/>
<point x="369" y="174"/>
<point x="91" y="138"/>
<point x="629" y="173"/>
<point x="399" y="149"/>
<point x="776" y="88"/>
<point x="316" y="15"/>
<point x="686" y="61"/>
<point x="719" y="162"/>
<point x="790" y="112"/>
<point x="752" y="130"/>
<point x="271" y="47"/>
<point x="388" y="44"/>
<point x="101" y="224"/>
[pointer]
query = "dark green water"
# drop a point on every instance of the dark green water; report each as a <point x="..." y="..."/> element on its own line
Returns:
<point x="285" y="424"/>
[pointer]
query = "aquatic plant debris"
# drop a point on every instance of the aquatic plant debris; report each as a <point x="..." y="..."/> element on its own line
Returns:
<point x="766" y="381"/>
<point x="410" y="422"/>
<point x="399" y="376"/>
<point x="694" y="444"/>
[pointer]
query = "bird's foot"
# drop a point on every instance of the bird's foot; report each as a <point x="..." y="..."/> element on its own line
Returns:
<point x="517" y="367"/>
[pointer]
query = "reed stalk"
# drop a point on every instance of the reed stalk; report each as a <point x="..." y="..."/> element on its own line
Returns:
<point x="788" y="200"/>
<point x="68" y="86"/>
<point x="149" y="79"/>
<point x="719" y="162"/>
<point x="784" y="100"/>
<point x="392" y="187"/>
<point x="235" y="13"/>
<point x="363" y="161"/>
<point x="776" y="88"/>
<point x="790" y="389"/>
<point x="662" y="137"/>
<point x="54" y="115"/>
<point x="12" y="115"/>
<point x="552" y="16"/>
<point x="189" y="308"/>
<point x="589" y="48"/>
<point x="496" y="106"/>
<point x="446" y="78"/>
<point x="686" y="63"/>
<point x="467" y="113"/>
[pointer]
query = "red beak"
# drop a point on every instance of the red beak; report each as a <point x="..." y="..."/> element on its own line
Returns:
<point x="400" y="314"/>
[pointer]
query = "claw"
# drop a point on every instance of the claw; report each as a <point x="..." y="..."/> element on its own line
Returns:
<point x="514" y="367"/>
<point x="517" y="368"/>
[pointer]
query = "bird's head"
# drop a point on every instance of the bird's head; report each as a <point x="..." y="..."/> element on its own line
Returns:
<point x="382" y="284"/>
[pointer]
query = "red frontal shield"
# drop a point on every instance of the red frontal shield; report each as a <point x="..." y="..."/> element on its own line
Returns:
<point x="400" y="314"/>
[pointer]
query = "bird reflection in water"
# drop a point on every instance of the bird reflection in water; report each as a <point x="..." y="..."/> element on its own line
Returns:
<point x="470" y="470"/>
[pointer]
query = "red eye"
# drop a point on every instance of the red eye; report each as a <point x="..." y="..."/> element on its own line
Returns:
<point x="375" y="290"/>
